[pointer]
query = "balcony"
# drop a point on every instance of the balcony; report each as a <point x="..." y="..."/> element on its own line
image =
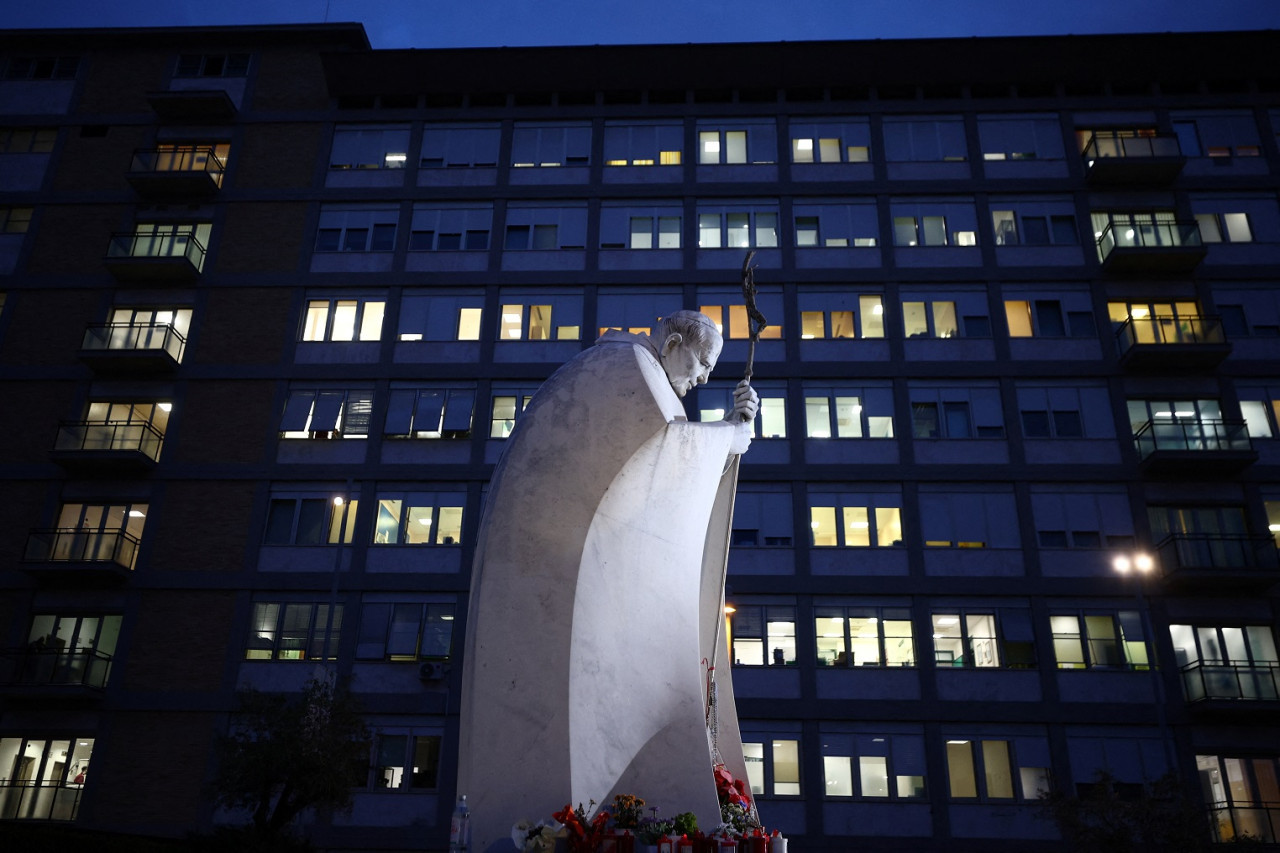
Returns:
<point x="1203" y="447"/>
<point x="1117" y="157"/>
<point x="39" y="800"/>
<point x="1147" y="246"/>
<point x="1215" y="561"/>
<point x="114" y="446"/>
<point x="105" y="555"/>
<point x="149" y="256"/>
<point x="185" y="171"/>
<point x="49" y="673"/>
<point x="1172" y="343"/>
<point x="1255" y="825"/>
<point x="1232" y="688"/>
<point x="184" y="105"/>
<point x="129" y="347"/>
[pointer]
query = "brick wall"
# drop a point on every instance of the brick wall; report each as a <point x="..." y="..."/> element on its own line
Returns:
<point x="227" y="421"/>
<point x="48" y="325"/>
<point x="203" y="525"/>
<point x="118" y="81"/>
<point x="290" y="80"/>
<point x="98" y="162"/>
<point x="261" y="238"/>
<point x="73" y="238"/>
<point x="180" y="640"/>
<point x="245" y="325"/>
<point x="277" y="156"/>
<point x="29" y="419"/>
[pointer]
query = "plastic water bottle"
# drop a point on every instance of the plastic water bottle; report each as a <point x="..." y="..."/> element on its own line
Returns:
<point x="460" y="827"/>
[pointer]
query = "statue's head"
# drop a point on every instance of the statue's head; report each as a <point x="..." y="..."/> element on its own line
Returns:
<point x="688" y="346"/>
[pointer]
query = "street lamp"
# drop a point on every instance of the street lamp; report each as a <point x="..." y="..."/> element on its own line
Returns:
<point x="1140" y="564"/>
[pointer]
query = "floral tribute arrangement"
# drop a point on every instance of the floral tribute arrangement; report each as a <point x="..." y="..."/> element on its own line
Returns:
<point x="626" y="829"/>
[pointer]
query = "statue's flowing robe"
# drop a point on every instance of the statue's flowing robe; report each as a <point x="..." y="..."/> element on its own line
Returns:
<point x="597" y="600"/>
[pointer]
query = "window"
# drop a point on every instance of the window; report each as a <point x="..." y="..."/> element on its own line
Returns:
<point x="294" y="631"/>
<point x="343" y="320"/>
<point x="1226" y="662"/>
<point x="1182" y="425"/>
<point x="460" y="146"/>
<point x="735" y="227"/>
<point x="1020" y="137"/>
<point x="27" y="140"/>
<point x="450" y="229"/>
<point x="966" y="639"/>
<point x="406" y="631"/>
<point x="15" y="220"/>
<point x="773" y="765"/>
<point x="873" y="765"/>
<point x="93" y="532"/>
<point x="739" y="326"/>
<point x="634" y="312"/>
<point x="406" y="762"/>
<point x="44" y="776"/>
<point x="929" y="319"/>
<point x="533" y="322"/>
<point x="933" y="224"/>
<point x="864" y="636"/>
<point x="1241" y="793"/>
<point x="1207" y="536"/>
<point x="1163" y="322"/>
<point x="430" y="413"/>
<point x="42" y="68"/>
<point x="542" y="228"/>
<point x="737" y="143"/>
<point x="968" y="519"/>
<point x="1260" y="407"/>
<point x="370" y="147"/>
<point x="848" y="412"/>
<point x="357" y="229"/>
<point x="69" y="649"/>
<point x="869" y="525"/>
<point x="1219" y="135"/>
<point x="310" y="521"/>
<point x="440" y="316"/>
<point x="956" y="412"/>
<point x="144" y="329"/>
<point x="1099" y="640"/>
<point x="419" y="518"/>
<point x="1147" y="229"/>
<point x="1013" y="228"/>
<point x="762" y="519"/>
<point x="550" y="145"/>
<point x="334" y="413"/>
<point x="762" y="635"/>
<point x="825" y="225"/>
<point x="637" y="227"/>
<point x="1063" y="412"/>
<point x="1224" y="227"/>
<point x="841" y="316"/>
<point x="771" y="419"/>
<point x="1048" y="318"/>
<point x="991" y="769"/>
<point x="831" y="142"/>
<point x="924" y="140"/>
<point x="658" y="144"/>
<point x="507" y="406"/>
<point x="118" y="425"/>
<point x="212" y="65"/>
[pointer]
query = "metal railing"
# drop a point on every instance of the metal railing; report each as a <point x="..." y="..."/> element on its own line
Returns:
<point x="74" y="545"/>
<point x="41" y="667"/>
<point x="144" y="337"/>
<point x="1259" y="822"/>
<point x="1203" y="436"/>
<point x="178" y="159"/>
<point x="1223" y="680"/>
<point x="173" y="243"/>
<point x="33" y="800"/>
<point x="110" y="435"/>
<point x="1105" y="143"/>
<point x="1218" y="552"/>
<point x="1170" y="330"/>
<point x="1147" y="233"/>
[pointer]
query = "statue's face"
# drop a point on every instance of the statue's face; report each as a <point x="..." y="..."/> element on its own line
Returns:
<point x="688" y="365"/>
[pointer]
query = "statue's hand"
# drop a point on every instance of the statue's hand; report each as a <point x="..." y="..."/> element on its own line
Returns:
<point x="745" y="403"/>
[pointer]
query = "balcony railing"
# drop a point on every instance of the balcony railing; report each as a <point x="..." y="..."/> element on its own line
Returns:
<point x="1219" y="560"/>
<point x="1259" y="822"/>
<point x="1120" y="157"/>
<point x="31" y="667"/>
<point x="1204" y="680"/>
<point x="173" y="253"/>
<point x="74" y="545"/>
<point x="1174" y="342"/>
<point x="144" y="341"/>
<point x="36" y="800"/>
<point x="182" y="170"/>
<point x="1144" y="243"/>
<point x="110" y="436"/>
<point x="1192" y="436"/>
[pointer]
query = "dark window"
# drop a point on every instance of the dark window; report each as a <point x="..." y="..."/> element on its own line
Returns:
<point x="1035" y="424"/>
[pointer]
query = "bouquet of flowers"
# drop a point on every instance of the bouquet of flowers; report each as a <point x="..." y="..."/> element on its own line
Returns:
<point x="583" y="836"/>
<point x="537" y="837"/>
<point x="627" y="809"/>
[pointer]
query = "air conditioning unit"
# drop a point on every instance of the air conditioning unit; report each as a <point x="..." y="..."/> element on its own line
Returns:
<point x="432" y="670"/>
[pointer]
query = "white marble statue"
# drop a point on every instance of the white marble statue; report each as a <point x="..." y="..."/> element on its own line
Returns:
<point x="597" y="592"/>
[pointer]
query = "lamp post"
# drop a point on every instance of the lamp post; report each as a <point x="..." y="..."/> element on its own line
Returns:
<point x="339" y="501"/>
<point x="1139" y="564"/>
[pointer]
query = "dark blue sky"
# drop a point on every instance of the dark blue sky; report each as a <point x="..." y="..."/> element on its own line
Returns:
<point x="479" y="23"/>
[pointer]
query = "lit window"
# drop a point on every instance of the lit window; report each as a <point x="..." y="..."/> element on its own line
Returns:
<point x="297" y="631"/>
<point x="418" y="519"/>
<point x="343" y="320"/>
<point x="430" y="413"/>
<point x="888" y="766"/>
<point x="864" y="636"/>
<point x="406" y="631"/>
<point x="327" y="414"/>
<point x="859" y="526"/>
